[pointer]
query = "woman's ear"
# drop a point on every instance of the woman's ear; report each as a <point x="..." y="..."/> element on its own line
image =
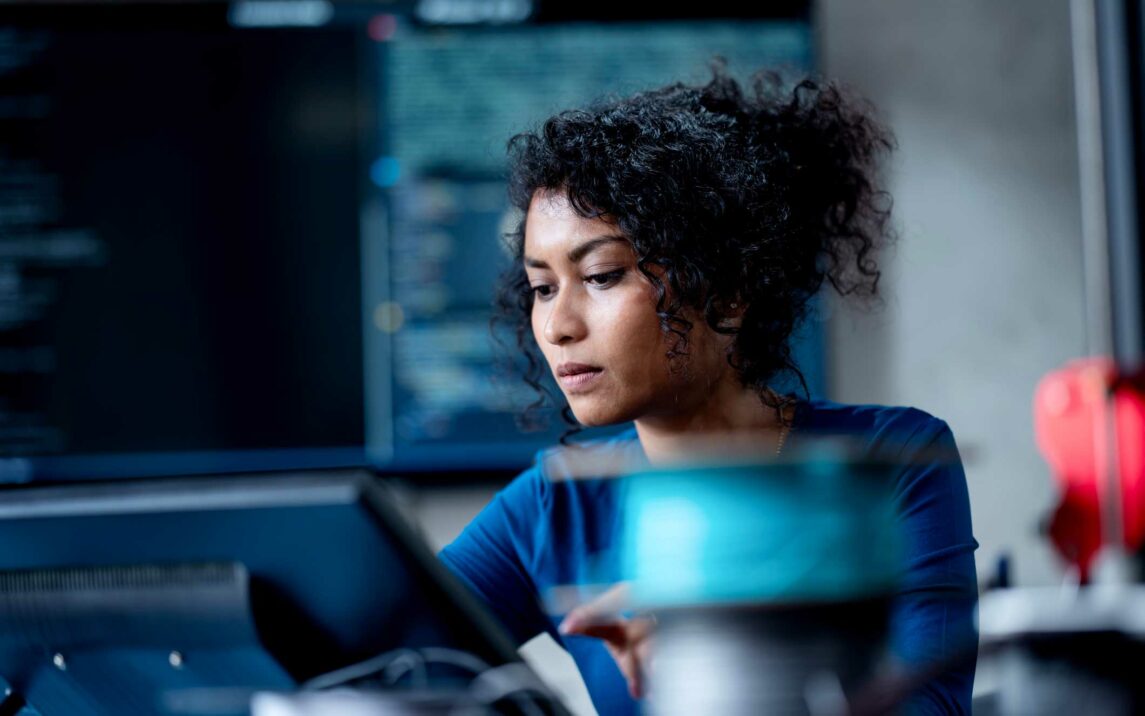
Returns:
<point x="732" y="314"/>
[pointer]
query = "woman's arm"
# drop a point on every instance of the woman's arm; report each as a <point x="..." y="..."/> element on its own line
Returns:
<point x="491" y="556"/>
<point x="932" y="619"/>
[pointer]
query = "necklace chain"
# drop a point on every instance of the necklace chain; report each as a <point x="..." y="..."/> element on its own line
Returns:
<point x="784" y="427"/>
<point x="783" y="430"/>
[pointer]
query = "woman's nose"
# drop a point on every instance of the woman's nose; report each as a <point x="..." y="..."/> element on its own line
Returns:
<point x="565" y="322"/>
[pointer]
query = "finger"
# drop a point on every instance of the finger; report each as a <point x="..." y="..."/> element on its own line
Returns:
<point x="643" y="651"/>
<point x="583" y="618"/>
<point x="640" y="628"/>
<point x="575" y="621"/>
<point x="639" y="654"/>
<point x="633" y="671"/>
<point x="616" y="633"/>
<point x="605" y="608"/>
<point x="613" y="600"/>
<point x="622" y="633"/>
<point x="633" y="661"/>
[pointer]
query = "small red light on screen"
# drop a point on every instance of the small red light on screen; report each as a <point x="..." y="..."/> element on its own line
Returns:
<point x="382" y="27"/>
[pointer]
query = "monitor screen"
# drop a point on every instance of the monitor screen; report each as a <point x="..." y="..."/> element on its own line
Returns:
<point x="188" y="595"/>
<point x="266" y="235"/>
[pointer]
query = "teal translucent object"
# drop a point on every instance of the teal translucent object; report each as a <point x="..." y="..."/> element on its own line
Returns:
<point x="813" y="531"/>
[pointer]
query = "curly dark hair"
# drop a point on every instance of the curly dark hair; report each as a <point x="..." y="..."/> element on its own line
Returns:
<point x="727" y="196"/>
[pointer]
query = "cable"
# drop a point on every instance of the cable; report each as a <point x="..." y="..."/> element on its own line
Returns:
<point x="508" y="681"/>
<point x="514" y="681"/>
<point x="361" y="670"/>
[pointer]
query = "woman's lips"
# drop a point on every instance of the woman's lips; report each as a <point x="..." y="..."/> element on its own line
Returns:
<point x="577" y="377"/>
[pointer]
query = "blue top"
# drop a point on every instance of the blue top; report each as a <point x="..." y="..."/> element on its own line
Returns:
<point x="541" y="532"/>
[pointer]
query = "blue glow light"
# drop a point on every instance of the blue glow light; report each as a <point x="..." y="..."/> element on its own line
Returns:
<point x="385" y="172"/>
<point x="280" y="13"/>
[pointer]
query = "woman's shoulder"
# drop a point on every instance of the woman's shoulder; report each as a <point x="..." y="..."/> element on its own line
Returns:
<point x="885" y="430"/>
<point x="827" y="416"/>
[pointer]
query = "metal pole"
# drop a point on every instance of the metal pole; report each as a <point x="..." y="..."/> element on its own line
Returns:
<point x="1095" y="248"/>
<point x="1118" y="50"/>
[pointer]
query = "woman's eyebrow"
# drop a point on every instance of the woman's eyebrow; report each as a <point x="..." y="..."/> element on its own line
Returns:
<point x="579" y="251"/>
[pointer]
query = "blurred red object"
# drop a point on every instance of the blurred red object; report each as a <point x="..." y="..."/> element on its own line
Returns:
<point x="1072" y="425"/>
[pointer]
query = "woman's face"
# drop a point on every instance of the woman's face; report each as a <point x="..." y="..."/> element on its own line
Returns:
<point x="594" y="317"/>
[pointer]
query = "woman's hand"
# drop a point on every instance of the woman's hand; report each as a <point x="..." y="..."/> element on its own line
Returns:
<point x="629" y="641"/>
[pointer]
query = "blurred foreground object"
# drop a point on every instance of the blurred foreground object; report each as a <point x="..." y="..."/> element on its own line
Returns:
<point x="163" y="597"/>
<point x="1065" y="650"/>
<point x="771" y="584"/>
<point x="1090" y="424"/>
<point x="361" y="703"/>
<point x="1075" y="648"/>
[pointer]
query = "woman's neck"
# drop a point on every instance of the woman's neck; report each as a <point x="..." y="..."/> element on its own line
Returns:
<point x="730" y="419"/>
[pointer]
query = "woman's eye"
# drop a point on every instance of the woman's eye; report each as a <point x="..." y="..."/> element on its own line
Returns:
<point x="603" y="280"/>
<point x="543" y="290"/>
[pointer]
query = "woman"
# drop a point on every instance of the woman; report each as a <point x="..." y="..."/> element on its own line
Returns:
<point x="671" y="241"/>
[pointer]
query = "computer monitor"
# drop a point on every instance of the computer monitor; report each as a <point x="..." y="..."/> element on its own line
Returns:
<point x="265" y="235"/>
<point x="183" y="596"/>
